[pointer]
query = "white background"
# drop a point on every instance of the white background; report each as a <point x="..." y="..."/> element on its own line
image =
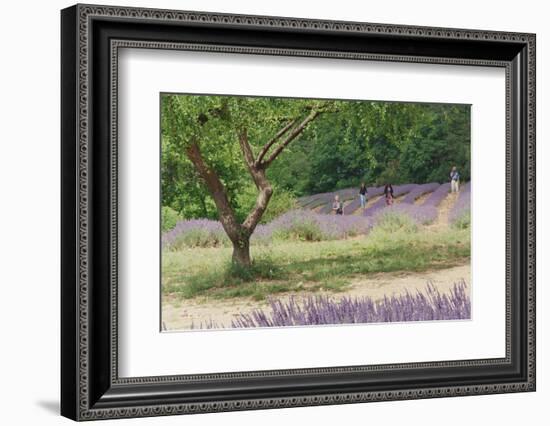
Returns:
<point x="146" y="352"/>
<point x="29" y="225"/>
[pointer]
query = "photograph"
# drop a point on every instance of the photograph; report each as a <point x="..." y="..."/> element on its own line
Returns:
<point x="265" y="209"/>
<point x="283" y="212"/>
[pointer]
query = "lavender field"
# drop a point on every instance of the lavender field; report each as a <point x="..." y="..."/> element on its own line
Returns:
<point x="314" y="221"/>
<point x="404" y="262"/>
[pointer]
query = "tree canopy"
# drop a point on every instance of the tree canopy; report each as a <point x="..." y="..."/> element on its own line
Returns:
<point x="348" y="142"/>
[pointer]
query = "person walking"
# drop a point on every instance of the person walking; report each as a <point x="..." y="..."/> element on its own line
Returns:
<point x="455" y="179"/>
<point x="363" y="195"/>
<point x="388" y="193"/>
<point x="337" y="206"/>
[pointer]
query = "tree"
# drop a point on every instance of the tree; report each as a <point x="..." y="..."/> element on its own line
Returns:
<point x="208" y="128"/>
<point x="442" y="142"/>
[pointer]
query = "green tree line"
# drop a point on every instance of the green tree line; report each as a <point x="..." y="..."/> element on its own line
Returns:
<point x="350" y="142"/>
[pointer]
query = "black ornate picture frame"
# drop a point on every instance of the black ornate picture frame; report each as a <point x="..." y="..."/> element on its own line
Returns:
<point x="91" y="387"/>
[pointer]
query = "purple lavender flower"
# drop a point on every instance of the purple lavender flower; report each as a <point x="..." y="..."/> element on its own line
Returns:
<point x="195" y="232"/>
<point x="419" y="191"/>
<point x="343" y="194"/>
<point x="320" y="310"/>
<point x="381" y="202"/>
<point x="421" y="215"/>
<point x="313" y="201"/>
<point x="438" y="195"/>
<point x="459" y="214"/>
<point x="305" y="224"/>
<point x="295" y="224"/>
<point x="356" y="203"/>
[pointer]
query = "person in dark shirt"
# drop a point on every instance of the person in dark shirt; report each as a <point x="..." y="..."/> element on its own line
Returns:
<point x="363" y="195"/>
<point x="388" y="193"/>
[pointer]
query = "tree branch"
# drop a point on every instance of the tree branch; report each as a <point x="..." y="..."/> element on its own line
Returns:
<point x="275" y="138"/>
<point x="260" y="179"/>
<point x="246" y="148"/>
<point x="291" y="136"/>
<point x="259" y="209"/>
<point x="217" y="190"/>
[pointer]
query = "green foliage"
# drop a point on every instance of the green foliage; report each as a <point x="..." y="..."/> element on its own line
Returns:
<point x="282" y="201"/>
<point x="213" y="122"/>
<point x="443" y="142"/>
<point x="169" y="218"/>
<point x="353" y="141"/>
<point x="391" y="172"/>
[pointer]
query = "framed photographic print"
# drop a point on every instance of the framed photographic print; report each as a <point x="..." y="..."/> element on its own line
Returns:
<point x="263" y="212"/>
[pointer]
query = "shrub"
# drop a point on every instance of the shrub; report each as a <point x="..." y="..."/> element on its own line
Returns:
<point x="390" y="220"/>
<point x="197" y="238"/>
<point x="169" y="218"/>
<point x="306" y="225"/>
<point x="195" y="233"/>
<point x="301" y="225"/>
<point x="302" y="230"/>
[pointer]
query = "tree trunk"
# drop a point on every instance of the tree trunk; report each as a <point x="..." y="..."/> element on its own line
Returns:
<point x="241" y="252"/>
<point x="238" y="233"/>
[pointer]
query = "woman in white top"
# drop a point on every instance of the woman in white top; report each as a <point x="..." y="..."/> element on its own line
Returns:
<point x="455" y="179"/>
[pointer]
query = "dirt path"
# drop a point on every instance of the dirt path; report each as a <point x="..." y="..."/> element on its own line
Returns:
<point x="420" y="200"/>
<point x="192" y="313"/>
<point x="443" y="210"/>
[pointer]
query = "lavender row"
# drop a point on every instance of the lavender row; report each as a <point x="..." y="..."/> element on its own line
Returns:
<point x="322" y="310"/>
<point x="325" y="199"/>
<point x="196" y="232"/>
<point x="295" y="224"/>
<point x="305" y="224"/>
<point x="356" y="203"/>
<point x="343" y="194"/>
<point x="419" y="191"/>
<point x="438" y="195"/>
<point x="421" y="215"/>
<point x="462" y="205"/>
<point x="319" y="201"/>
<point x="380" y="203"/>
<point x="310" y="200"/>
